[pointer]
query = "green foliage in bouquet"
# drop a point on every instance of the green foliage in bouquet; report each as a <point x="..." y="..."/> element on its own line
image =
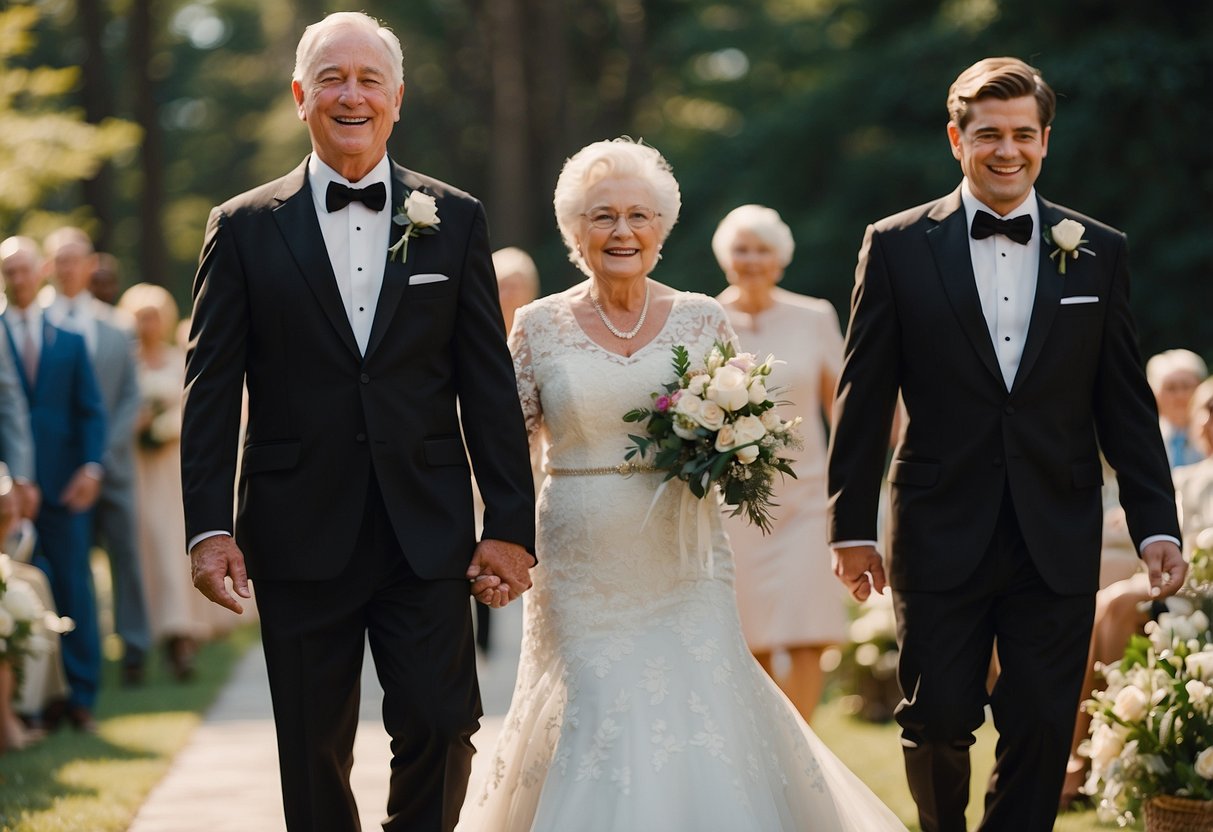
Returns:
<point x="715" y="425"/>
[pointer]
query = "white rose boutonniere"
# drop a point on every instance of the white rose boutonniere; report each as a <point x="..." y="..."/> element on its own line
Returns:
<point x="1067" y="236"/>
<point x="419" y="215"/>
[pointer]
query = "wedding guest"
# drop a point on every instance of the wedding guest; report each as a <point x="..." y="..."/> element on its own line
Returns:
<point x="69" y="304"/>
<point x="358" y="337"/>
<point x="105" y="283"/>
<point x="1173" y="375"/>
<point x="517" y="285"/>
<point x="785" y="594"/>
<point x="67" y="416"/>
<point x="16" y="437"/>
<point x="177" y="612"/>
<point x="638" y="705"/>
<point x="1014" y="377"/>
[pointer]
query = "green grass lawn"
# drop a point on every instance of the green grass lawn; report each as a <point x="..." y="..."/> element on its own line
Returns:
<point x="873" y="752"/>
<point x="74" y="782"/>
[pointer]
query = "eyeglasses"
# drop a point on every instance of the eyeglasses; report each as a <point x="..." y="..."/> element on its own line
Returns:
<point x="637" y="217"/>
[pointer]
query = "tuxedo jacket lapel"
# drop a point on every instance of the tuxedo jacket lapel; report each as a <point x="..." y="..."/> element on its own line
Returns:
<point x="296" y="217"/>
<point x="1049" y="286"/>
<point x="396" y="272"/>
<point x="949" y="240"/>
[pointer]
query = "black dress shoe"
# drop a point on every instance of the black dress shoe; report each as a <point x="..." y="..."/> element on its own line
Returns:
<point x="82" y="719"/>
<point x="132" y="675"/>
<point x="53" y="714"/>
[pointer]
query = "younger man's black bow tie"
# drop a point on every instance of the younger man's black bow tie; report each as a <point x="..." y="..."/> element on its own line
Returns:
<point x="985" y="224"/>
<point x="338" y="196"/>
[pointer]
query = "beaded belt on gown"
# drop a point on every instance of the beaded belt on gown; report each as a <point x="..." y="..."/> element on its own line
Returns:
<point x="623" y="469"/>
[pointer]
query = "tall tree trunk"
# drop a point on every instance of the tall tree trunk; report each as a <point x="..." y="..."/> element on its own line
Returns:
<point x="153" y="259"/>
<point x="550" y="129"/>
<point x="509" y="157"/>
<point x="95" y="87"/>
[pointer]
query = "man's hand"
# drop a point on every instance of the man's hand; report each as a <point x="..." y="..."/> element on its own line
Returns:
<point x="214" y="559"/>
<point x="81" y="490"/>
<point x="30" y="497"/>
<point x="499" y="572"/>
<point x="861" y="569"/>
<point x="1166" y="566"/>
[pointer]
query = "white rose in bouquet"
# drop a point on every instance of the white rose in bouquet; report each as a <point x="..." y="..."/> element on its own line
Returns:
<point x="1198" y="692"/>
<point x="1131" y="703"/>
<point x="684" y="427"/>
<point x="711" y="415"/>
<point x="697" y="385"/>
<point x="758" y="391"/>
<point x="771" y="421"/>
<point x="688" y="405"/>
<point x="748" y="429"/>
<point x="728" y="388"/>
<point x="1106" y="744"/>
<point x="8" y="624"/>
<point x="726" y="439"/>
<point x="744" y="362"/>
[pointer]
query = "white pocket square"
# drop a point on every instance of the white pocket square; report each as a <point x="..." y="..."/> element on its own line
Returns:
<point x="1079" y="299"/>
<point x="418" y="279"/>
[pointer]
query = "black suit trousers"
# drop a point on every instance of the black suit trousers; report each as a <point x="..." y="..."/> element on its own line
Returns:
<point x="421" y="638"/>
<point x="947" y="640"/>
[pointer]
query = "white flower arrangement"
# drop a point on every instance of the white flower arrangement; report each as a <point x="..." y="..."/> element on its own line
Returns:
<point x="1152" y="727"/>
<point x="716" y="425"/>
<point x="24" y="622"/>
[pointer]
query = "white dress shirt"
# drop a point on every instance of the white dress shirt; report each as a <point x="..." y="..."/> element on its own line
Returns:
<point x="26" y="320"/>
<point x="1005" y="272"/>
<point x="357" y="241"/>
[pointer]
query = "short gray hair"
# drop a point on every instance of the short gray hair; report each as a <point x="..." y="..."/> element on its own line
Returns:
<point x="1162" y="365"/>
<point x="16" y="245"/>
<point x="759" y="220"/>
<point x="314" y="35"/>
<point x="514" y="262"/>
<point x="600" y="160"/>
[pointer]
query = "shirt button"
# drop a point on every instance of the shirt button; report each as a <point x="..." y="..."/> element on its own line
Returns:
<point x="1007" y="338"/>
<point x="364" y="378"/>
<point x="360" y="437"/>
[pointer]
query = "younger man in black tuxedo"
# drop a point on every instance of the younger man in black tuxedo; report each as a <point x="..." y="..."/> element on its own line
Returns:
<point x="355" y="510"/>
<point x="1003" y="321"/>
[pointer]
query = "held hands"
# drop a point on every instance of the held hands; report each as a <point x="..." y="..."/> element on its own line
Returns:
<point x="81" y="490"/>
<point x="1166" y="566"/>
<point x="214" y="559"/>
<point x="861" y="569"/>
<point x="499" y="572"/>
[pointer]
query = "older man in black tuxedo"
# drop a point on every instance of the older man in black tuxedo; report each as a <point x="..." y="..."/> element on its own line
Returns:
<point x="1003" y="321"/>
<point x="355" y="506"/>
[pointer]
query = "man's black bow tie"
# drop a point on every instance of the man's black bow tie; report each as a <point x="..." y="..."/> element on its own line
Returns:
<point x="372" y="196"/>
<point x="985" y="224"/>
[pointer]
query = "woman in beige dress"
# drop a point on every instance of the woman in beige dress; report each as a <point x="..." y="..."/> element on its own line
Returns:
<point x="786" y="592"/>
<point x="178" y="613"/>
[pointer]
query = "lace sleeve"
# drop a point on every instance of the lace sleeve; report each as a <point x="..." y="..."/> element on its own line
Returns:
<point x="524" y="372"/>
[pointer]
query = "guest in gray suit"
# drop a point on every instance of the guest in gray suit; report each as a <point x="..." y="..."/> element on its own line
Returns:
<point x="69" y="304"/>
<point x="16" y="441"/>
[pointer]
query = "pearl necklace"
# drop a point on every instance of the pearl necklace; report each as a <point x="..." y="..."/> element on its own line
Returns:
<point x="616" y="331"/>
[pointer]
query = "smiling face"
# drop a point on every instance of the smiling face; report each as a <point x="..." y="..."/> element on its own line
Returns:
<point x="1001" y="148"/>
<point x="349" y="101"/>
<point x="620" y="253"/>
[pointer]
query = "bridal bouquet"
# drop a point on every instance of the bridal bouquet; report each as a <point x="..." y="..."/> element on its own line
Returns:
<point x="161" y="397"/>
<point x="715" y="424"/>
<point x="1152" y="727"/>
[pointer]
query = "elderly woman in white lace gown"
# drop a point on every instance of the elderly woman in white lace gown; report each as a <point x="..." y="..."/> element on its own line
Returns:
<point x="638" y="706"/>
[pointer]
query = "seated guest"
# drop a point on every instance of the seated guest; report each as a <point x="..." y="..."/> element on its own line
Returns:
<point x="1173" y="376"/>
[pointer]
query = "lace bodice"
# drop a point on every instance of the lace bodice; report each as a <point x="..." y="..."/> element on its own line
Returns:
<point x="587" y="387"/>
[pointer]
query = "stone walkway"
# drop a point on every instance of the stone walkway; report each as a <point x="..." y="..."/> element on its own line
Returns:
<point x="226" y="778"/>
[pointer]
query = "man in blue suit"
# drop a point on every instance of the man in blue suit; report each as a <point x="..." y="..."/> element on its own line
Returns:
<point x="68" y="420"/>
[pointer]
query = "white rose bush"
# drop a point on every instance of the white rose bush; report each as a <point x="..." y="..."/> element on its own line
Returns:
<point x="715" y="425"/>
<point x="1152" y="727"/>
